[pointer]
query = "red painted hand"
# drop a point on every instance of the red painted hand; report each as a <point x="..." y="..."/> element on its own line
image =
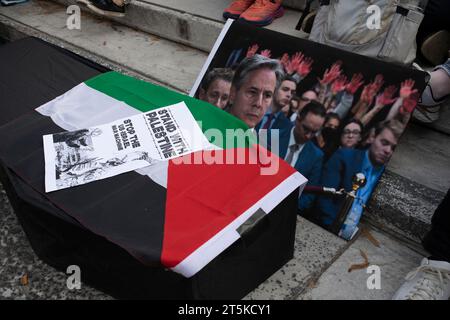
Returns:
<point x="406" y="89"/>
<point x="252" y="50"/>
<point x="266" y="53"/>
<point x="378" y="82"/>
<point x="294" y="63"/>
<point x="355" y="83"/>
<point x="284" y="60"/>
<point x="410" y="103"/>
<point x="386" y="97"/>
<point x="339" y="84"/>
<point x="369" y="93"/>
<point x="305" y="67"/>
<point x="331" y="74"/>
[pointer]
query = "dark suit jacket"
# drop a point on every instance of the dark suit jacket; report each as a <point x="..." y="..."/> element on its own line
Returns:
<point x="309" y="163"/>
<point x="281" y="122"/>
<point x="338" y="173"/>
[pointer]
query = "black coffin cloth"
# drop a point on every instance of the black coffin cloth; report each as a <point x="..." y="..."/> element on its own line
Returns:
<point x="33" y="73"/>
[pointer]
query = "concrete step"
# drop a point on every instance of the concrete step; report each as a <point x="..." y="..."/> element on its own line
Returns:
<point x="116" y="46"/>
<point x="195" y="23"/>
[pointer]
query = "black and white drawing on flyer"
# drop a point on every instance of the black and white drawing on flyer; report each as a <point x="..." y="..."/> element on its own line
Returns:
<point x="82" y="156"/>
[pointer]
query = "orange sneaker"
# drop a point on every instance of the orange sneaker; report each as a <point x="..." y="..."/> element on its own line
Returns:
<point x="263" y="12"/>
<point x="236" y="8"/>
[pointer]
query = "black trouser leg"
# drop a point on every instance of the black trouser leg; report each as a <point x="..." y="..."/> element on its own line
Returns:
<point x="437" y="241"/>
<point x="437" y="17"/>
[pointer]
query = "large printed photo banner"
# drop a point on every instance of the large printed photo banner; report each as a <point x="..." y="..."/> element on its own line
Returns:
<point x="338" y="115"/>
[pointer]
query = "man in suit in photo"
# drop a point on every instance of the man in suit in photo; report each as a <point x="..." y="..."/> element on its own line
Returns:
<point x="345" y="163"/>
<point x="296" y="148"/>
<point x="253" y="87"/>
<point x="274" y="118"/>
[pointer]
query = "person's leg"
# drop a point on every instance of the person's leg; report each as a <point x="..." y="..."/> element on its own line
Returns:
<point x="436" y="92"/>
<point x="263" y="12"/>
<point x="108" y="8"/>
<point x="431" y="280"/>
<point x="438" y="89"/>
<point x="437" y="241"/>
<point x="433" y="37"/>
<point x="435" y="18"/>
<point x="236" y="8"/>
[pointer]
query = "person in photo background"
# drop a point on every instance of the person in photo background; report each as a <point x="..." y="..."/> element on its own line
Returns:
<point x="345" y="163"/>
<point x="351" y="133"/>
<point x="215" y="87"/>
<point x="304" y="99"/>
<point x="274" y="117"/>
<point x="297" y="149"/>
<point x="328" y="138"/>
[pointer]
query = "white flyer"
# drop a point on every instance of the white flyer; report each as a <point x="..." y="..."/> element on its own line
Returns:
<point x="78" y="157"/>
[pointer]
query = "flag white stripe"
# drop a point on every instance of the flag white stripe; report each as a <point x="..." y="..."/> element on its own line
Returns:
<point x="83" y="107"/>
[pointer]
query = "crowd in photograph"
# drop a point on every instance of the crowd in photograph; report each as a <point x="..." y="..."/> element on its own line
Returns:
<point x="329" y="132"/>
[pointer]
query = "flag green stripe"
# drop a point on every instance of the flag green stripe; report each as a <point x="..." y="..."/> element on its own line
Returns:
<point x="144" y="97"/>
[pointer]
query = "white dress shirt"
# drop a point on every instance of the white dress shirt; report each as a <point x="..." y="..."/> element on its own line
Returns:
<point x="296" y="153"/>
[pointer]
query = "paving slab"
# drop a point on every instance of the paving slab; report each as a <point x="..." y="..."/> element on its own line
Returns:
<point x="393" y="258"/>
<point x="315" y="250"/>
<point x="17" y="259"/>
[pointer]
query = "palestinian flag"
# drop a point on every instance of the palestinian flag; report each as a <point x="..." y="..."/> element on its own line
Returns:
<point x="181" y="213"/>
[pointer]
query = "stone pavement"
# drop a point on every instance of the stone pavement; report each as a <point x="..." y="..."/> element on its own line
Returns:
<point x="17" y="260"/>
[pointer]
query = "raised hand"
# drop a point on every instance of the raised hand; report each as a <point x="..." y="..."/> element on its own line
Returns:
<point x="410" y="103"/>
<point x="294" y="63"/>
<point x="386" y="97"/>
<point x="355" y="83"/>
<point x="284" y="60"/>
<point x="368" y="93"/>
<point x="331" y="74"/>
<point x="339" y="84"/>
<point x="305" y="67"/>
<point x="252" y="50"/>
<point x="378" y="82"/>
<point x="266" y="53"/>
<point x="297" y="58"/>
<point x="406" y="89"/>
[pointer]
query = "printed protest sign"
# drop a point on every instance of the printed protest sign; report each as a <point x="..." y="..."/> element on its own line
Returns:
<point x="77" y="157"/>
